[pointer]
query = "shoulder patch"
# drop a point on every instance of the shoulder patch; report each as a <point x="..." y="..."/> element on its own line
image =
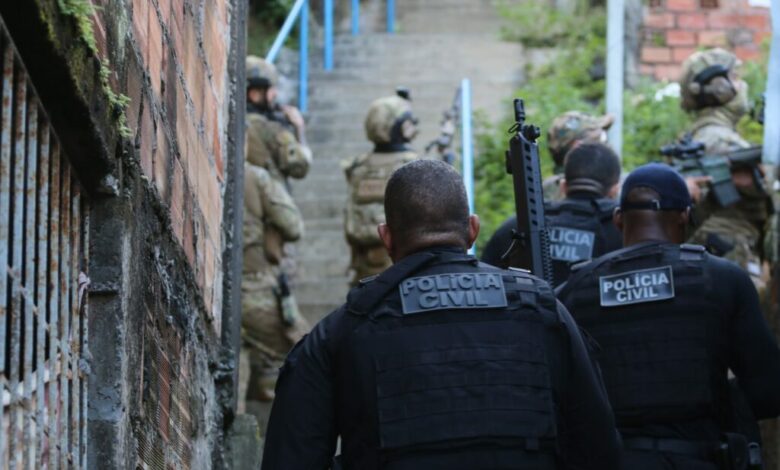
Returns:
<point x="477" y="291"/>
<point x="635" y="287"/>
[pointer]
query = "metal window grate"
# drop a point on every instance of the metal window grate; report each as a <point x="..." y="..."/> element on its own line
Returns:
<point x="43" y="241"/>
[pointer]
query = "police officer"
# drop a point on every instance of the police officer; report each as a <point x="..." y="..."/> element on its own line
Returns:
<point x="270" y="323"/>
<point x="566" y="132"/>
<point x="390" y="125"/>
<point x="580" y="226"/>
<point x="713" y="92"/>
<point x="276" y="133"/>
<point x="672" y="320"/>
<point x="441" y="362"/>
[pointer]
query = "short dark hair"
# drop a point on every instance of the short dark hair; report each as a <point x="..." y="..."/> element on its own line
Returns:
<point x="426" y="199"/>
<point x="592" y="161"/>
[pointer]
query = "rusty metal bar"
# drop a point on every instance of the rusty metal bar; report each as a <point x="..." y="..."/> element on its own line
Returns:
<point x="54" y="302"/>
<point x="64" y="312"/>
<point x="5" y="218"/>
<point x="15" y="448"/>
<point x="73" y="335"/>
<point x="84" y="329"/>
<point x="42" y="261"/>
<point x="30" y="193"/>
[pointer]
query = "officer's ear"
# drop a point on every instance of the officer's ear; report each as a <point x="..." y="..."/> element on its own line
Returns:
<point x="685" y="217"/>
<point x="473" y="229"/>
<point x="617" y="219"/>
<point x="387" y="238"/>
<point x="614" y="191"/>
<point x="563" y="186"/>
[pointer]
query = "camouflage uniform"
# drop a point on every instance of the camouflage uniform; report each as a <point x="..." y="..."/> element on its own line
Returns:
<point x="735" y="232"/>
<point x="367" y="177"/>
<point x="270" y="322"/>
<point x="266" y="335"/>
<point x="565" y="131"/>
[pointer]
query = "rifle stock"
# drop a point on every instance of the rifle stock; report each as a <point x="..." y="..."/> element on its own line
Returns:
<point x="530" y="248"/>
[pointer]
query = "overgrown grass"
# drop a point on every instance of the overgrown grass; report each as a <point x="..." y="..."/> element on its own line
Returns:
<point x="265" y="19"/>
<point x="651" y="118"/>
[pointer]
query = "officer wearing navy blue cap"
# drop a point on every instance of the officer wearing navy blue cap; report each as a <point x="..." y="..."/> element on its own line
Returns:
<point x="671" y="321"/>
<point x="441" y="362"/>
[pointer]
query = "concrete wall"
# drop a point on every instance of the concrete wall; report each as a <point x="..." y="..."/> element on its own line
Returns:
<point x="674" y="29"/>
<point x="161" y="175"/>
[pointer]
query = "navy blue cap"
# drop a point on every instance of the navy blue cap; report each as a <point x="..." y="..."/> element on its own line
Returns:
<point x="663" y="179"/>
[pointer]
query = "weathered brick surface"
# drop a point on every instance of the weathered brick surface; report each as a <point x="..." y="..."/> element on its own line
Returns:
<point x="183" y="47"/>
<point x="678" y="28"/>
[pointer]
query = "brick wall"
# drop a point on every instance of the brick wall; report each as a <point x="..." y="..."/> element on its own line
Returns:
<point x="178" y="116"/>
<point x="674" y="29"/>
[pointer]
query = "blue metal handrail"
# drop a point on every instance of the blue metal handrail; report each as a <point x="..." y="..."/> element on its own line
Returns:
<point x="300" y="12"/>
<point x="467" y="145"/>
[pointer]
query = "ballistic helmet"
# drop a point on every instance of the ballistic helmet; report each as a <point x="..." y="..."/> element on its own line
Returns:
<point x="260" y="73"/>
<point x="385" y="118"/>
<point x="705" y="79"/>
<point x="573" y="126"/>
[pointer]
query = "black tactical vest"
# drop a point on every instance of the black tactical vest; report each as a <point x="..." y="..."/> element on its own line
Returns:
<point x="448" y="366"/>
<point x="663" y="339"/>
<point x="580" y="229"/>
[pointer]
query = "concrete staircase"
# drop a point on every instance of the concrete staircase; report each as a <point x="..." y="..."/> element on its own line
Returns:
<point x="438" y="43"/>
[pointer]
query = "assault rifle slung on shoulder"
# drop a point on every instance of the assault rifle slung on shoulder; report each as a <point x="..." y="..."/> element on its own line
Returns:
<point x="530" y="247"/>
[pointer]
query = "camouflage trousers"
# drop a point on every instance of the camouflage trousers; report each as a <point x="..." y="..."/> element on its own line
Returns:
<point x="265" y="336"/>
<point x="368" y="261"/>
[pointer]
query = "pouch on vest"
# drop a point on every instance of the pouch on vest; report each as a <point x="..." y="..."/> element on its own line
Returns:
<point x="273" y="245"/>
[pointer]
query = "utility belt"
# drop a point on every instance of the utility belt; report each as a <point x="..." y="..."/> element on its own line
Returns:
<point x="733" y="452"/>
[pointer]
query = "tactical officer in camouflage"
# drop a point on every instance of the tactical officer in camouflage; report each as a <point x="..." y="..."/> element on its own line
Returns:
<point x="441" y="362"/>
<point x="268" y="330"/>
<point x="566" y="132"/>
<point x="671" y="321"/>
<point x="718" y="98"/>
<point x="276" y="133"/>
<point x="390" y="125"/>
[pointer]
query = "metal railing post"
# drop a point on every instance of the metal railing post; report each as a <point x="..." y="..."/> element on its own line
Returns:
<point x="303" y="69"/>
<point x="390" y="16"/>
<point x="467" y="150"/>
<point x="289" y="22"/>
<point x="355" y="17"/>
<point x="328" y="49"/>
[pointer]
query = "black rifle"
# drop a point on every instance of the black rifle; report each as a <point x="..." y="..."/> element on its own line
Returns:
<point x="689" y="158"/>
<point x="449" y="124"/>
<point x="531" y="243"/>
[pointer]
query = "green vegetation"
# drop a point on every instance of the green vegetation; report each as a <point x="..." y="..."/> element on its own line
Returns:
<point x="81" y="11"/>
<point x="265" y="19"/>
<point x="570" y="81"/>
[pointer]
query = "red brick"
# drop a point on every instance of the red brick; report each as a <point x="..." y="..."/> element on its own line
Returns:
<point x="682" y="5"/>
<point x="141" y="26"/>
<point x="679" y="54"/>
<point x="164" y="9"/>
<point x="724" y="20"/>
<point x="147" y="141"/>
<point x="656" y="54"/>
<point x="680" y="38"/>
<point x="647" y="69"/>
<point x="217" y="144"/>
<point x="177" y="200"/>
<point x="712" y="38"/>
<point x="155" y="52"/>
<point x="760" y="37"/>
<point x="667" y="72"/>
<point x="693" y="21"/>
<point x="756" y="22"/>
<point x="161" y="165"/>
<point x="189" y="229"/>
<point x="746" y="53"/>
<point x="134" y="90"/>
<point x="659" y="20"/>
<point x="99" y="27"/>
